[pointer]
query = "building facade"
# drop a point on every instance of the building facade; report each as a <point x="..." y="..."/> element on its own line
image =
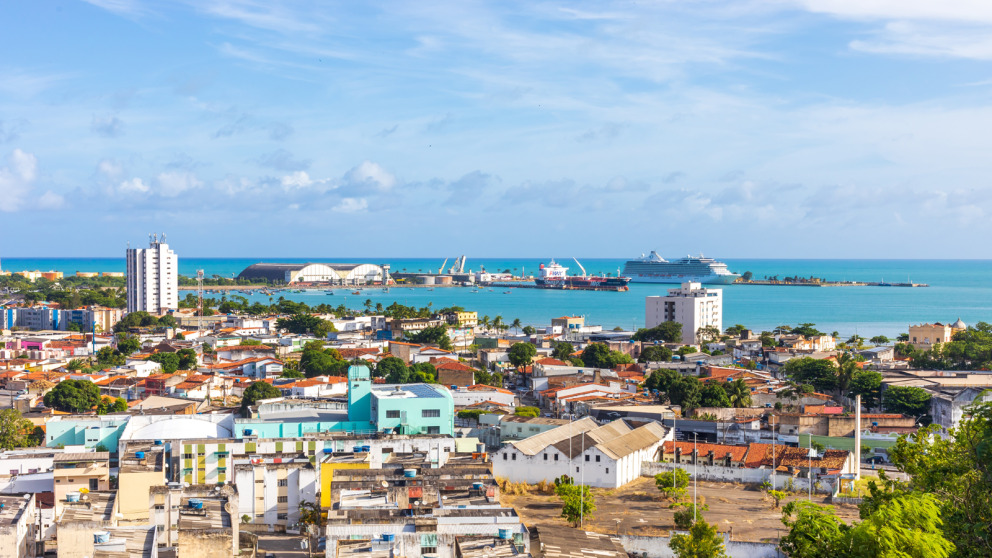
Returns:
<point x="924" y="336"/>
<point x="690" y="305"/>
<point x="152" y="278"/>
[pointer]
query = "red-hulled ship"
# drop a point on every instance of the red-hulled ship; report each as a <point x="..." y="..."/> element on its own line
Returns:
<point x="555" y="276"/>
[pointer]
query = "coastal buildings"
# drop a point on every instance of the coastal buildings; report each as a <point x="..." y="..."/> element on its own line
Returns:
<point x="333" y="273"/>
<point x="924" y="336"/>
<point x="690" y="305"/>
<point x="152" y="278"/>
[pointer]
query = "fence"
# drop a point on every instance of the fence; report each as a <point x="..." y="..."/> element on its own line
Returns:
<point x="657" y="547"/>
<point x="739" y="475"/>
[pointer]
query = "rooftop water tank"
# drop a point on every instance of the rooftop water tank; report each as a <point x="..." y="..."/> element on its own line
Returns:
<point x="158" y="442"/>
<point x="139" y="454"/>
<point x="505" y="534"/>
<point x="477" y="485"/>
<point x="72" y="497"/>
<point x="389" y="537"/>
<point x="409" y="473"/>
<point x="249" y="431"/>
<point x="366" y="449"/>
<point x="101" y="537"/>
<point x="194" y="503"/>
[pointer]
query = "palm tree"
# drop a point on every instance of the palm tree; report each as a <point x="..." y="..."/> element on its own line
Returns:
<point x="846" y="368"/>
<point x="516" y="324"/>
<point x="484" y="322"/>
<point x="739" y="393"/>
<point x="498" y="323"/>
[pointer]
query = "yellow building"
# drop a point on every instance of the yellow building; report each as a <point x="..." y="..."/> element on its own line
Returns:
<point x="338" y="462"/>
<point x="925" y="336"/>
<point x="142" y="466"/>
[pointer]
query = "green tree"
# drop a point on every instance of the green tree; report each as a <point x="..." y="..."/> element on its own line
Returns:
<point x="747" y="276"/>
<point x="434" y="335"/>
<point x="687" y="513"/>
<point x="806" y="330"/>
<point x="256" y="392"/>
<point x="868" y="385"/>
<point x="672" y="484"/>
<point x="315" y="362"/>
<point x="814" y="531"/>
<point x="73" y="396"/>
<point x="108" y="357"/>
<point x="847" y="367"/>
<point x="522" y="354"/>
<point x="391" y="367"/>
<point x="909" y="525"/>
<point x="187" y="359"/>
<point x="168" y="361"/>
<point x="598" y="355"/>
<point x="128" y="344"/>
<point x="578" y="503"/>
<point x="655" y="353"/>
<point x="662" y="380"/>
<point x="119" y="406"/>
<point x="703" y="541"/>
<point x="529" y="330"/>
<point x="288" y="373"/>
<point x="906" y="400"/>
<point x="821" y="374"/>
<point x="526" y="411"/>
<point x="516" y="325"/>
<point x="669" y="332"/>
<point x="686" y="392"/>
<point x="738" y="393"/>
<point x="306" y="324"/>
<point x="76" y="364"/>
<point x="562" y="350"/>
<point x="713" y="395"/>
<point x="14" y="429"/>
<point x="735" y="330"/>
<point x="879" y="340"/>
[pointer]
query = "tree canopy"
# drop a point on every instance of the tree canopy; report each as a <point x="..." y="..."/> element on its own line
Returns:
<point x="821" y="374"/>
<point x="655" y="353"/>
<point x="522" y="354"/>
<point x="15" y="430"/>
<point x="562" y="350"/>
<point x="907" y="400"/>
<point x="168" y="361"/>
<point x="256" y="392"/>
<point x="868" y="385"/>
<point x="303" y="323"/>
<point x="669" y="332"/>
<point x="73" y="396"/>
<point x="703" y="541"/>
<point x="434" y="335"/>
<point x="598" y="355"/>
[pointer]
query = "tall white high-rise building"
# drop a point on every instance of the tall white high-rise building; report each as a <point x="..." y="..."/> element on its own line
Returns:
<point x="152" y="277"/>
<point x="691" y="305"/>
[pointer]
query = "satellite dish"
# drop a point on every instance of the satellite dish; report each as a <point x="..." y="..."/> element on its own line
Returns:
<point x="385" y="484"/>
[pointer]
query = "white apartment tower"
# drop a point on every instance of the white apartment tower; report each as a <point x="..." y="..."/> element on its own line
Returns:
<point x="691" y="305"/>
<point x="152" y="277"/>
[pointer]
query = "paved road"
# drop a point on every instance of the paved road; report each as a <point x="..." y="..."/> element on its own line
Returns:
<point x="283" y="546"/>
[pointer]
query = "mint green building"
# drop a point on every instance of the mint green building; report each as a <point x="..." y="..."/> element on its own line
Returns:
<point x="371" y="408"/>
<point x="85" y="430"/>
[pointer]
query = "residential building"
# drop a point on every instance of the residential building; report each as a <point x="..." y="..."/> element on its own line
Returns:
<point x="604" y="456"/>
<point x="690" y="305"/>
<point x="480" y="393"/>
<point x="270" y="491"/>
<point x="949" y="405"/>
<point x="495" y="429"/>
<point x="197" y="520"/>
<point x="74" y="471"/>
<point x="152" y="278"/>
<point x="18" y="524"/>
<point x="143" y="465"/>
<point x="80" y="518"/>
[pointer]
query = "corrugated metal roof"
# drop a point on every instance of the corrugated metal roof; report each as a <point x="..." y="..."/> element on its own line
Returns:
<point x="537" y="443"/>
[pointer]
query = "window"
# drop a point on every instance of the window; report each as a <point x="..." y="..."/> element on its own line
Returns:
<point x="187" y="456"/>
<point x="505" y="457"/>
<point x="597" y="459"/>
<point x="283" y="482"/>
<point x="159" y="506"/>
<point x="430" y="413"/>
<point x="587" y="458"/>
<point x="607" y="470"/>
<point x="282" y="499"/>
<point x="556" y="457"/>
<point x="514" y="457"/>
<point x="282" y="516"/>
<point x="576" y="469"/>
<point x="433" y="429"/>
<point x="392" y="414"/>
<point x="94" y="484"/>
<point x="545" y="457"/>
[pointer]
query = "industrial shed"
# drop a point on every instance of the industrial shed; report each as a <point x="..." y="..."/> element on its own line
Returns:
<point x="337" y="273"/>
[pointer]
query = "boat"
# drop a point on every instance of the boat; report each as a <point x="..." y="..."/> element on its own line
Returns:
<point x="356" y="292"/>
<point x="695" y="269"/>
<point x="555" y="276"/>
<point x="329" y="292"/>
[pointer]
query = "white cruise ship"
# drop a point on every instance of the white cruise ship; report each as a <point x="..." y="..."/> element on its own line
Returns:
<point x="655" y="269"/>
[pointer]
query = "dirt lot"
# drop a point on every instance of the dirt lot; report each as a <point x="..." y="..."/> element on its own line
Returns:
<point x="747" y="513"/>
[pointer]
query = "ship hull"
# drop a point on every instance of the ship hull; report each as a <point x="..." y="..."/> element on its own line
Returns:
<point x="615" y="284"/>
<point x="679" y="279"/>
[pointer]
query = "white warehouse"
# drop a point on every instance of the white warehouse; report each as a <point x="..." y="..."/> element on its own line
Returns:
<point x="601" y="456"/>
<point x="336" y="273"/>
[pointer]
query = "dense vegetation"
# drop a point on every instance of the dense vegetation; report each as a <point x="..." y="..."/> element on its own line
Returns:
<point x="969" y="350"/>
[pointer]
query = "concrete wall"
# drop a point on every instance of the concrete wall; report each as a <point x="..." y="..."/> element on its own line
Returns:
<point x="739" y="475"/>
<point x="206" y="544"/>
<point x="657" y="547"/>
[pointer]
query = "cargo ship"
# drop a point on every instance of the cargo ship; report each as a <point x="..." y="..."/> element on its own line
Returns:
<point x="555" y="276"/>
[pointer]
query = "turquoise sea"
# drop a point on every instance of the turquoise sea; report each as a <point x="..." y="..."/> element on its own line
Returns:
<point x="958" y="288"/>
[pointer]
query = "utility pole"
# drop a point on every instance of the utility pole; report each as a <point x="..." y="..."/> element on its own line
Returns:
<point x="695" y="475"/>
<point x="773" y="452"/>
<point x="199" y="292"/>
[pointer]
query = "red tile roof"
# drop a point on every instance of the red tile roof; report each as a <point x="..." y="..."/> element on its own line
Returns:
<point x="720" y="451"/>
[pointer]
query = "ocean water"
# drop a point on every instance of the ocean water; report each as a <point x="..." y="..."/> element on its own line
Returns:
<point x="958" y="288"/>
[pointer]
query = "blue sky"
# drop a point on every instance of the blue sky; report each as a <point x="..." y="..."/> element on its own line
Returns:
<point x="745" y="128"/>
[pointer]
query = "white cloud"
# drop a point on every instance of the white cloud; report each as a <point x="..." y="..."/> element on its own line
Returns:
<point x="171" y="184"/>
<point x="17" y="179"/>
<point x="351" y="205"/>
<point x="970" y="11"/>
<point x="51" y="200"/>
<point x="110" y="168"/>
<point x="369" y="175"/>
<point x="298" y="179"/>
<point x="133" y="185"/>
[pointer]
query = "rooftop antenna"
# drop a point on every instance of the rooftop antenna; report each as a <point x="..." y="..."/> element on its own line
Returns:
<point x="163" y="238"/>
